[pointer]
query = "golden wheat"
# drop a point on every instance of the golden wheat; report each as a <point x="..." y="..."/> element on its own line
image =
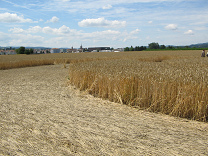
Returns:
<point x="170" y="82"/>
<point x="160" y="82"/>
<point x="18" y="61"/>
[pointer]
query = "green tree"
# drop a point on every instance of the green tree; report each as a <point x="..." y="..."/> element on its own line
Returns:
<point x="27" y="51"/>
<point x="131" y="49"/>
<point x="162" y="47"/>
<point x="170" y="47"/>
<point x="142" y="48"/>
<point x="17" y="51"/>
<point x="21" y="50"/>
<point x="126" y="49"/>
<point x="137" y="48"/>
<point x="31" y="51"/>
<point x="154" y="45"/>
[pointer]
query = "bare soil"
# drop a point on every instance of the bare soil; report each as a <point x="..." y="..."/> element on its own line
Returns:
<point x="41" y="115"/>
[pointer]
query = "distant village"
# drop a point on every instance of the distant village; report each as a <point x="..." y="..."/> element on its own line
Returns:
<point x="12" y="51"/>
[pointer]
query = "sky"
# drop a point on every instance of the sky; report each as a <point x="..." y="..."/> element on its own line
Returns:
<point x="112" y="23"/>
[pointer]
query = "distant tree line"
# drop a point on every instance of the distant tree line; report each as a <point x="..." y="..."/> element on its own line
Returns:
<point x="137" y="48"/>
<point x="156" y="46"/>
<point x="23" y="50"/>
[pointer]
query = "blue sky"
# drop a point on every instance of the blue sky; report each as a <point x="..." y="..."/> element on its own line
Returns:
<point x="114" y="23"/>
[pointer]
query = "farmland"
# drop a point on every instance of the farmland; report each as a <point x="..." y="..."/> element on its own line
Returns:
<point x="19" y="61"/>
<point x="170" y="82"/>
<point x="173" y="83"/>
<point x="41" y="115"/>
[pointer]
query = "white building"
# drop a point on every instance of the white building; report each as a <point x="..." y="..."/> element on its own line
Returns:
<point x="8" y="52"/>
<point x="62" y="50"/>
<point x="2" y="52"/>
<point x="55" y="50"/>
<point x="11" y="52"/>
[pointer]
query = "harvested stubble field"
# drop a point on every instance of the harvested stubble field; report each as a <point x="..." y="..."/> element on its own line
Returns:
<point x="41" y="114"/>
<point x="170" y="82"/>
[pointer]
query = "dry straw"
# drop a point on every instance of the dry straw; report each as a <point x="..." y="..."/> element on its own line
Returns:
<point x="25" y="63"/>
<point x="20" y="61"/>
<point x="166" y="84"/>
<point x="170" y="82"/>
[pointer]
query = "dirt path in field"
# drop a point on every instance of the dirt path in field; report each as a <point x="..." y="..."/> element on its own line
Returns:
<point x="40" y="115"/>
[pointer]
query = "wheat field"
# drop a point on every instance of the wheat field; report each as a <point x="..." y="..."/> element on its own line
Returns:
<point x="41" y="115"/>
<point x="19" y="61"/>
<point x="169" y="82"/>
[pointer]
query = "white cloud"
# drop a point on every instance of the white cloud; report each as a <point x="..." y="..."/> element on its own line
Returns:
<point x="110" y="35"/>
<point x="65" y="36"/>
<point x="106" y="33"/>
<point x="4" y="38"/>
<point x="34" y="29"/>
<point x="54" y="19"/>
<point x="13" y="18"/>
<point x="171" y="27"/>
<point x="107" y="6"/>
<point x="48" y="30"/>
<point x="189" y="32"/>
<point x="150" y="22"/>
<point x="135" y="31"/>
<point x="26" y="40"/>
<point x="63" y="30"/>
<point x="16" y="30"/>
<point x="58" y="1"/>
<point x="100" y="36"/>
<point x="101" y="22"/>
<point x="21" y="39"/>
